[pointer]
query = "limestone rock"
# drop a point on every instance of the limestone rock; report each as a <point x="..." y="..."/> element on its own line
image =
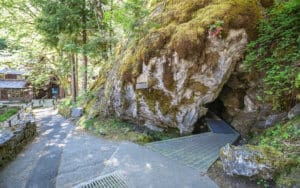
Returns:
<point x="243" y="122"/>
<point x="168" y="77"/>
<point x="252" y="161"/>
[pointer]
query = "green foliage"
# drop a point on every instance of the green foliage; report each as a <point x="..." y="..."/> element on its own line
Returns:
<point x="65" y="107"/>
<point x="263" y="183"/>
<point x="8" y="113"/>
<point x="276" y="52"/>
<point x="3" y="44"/>
<point x="129" y="15"/>
<point x="284" y="137"/>
<point x="297" y="83"/>
<point x="113" y="128"/>
<point x="57" y="19"/>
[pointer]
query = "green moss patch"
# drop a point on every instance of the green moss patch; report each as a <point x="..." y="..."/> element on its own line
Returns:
<point x="152" y="96"/>
<point x="184" y="25"/>
<point x="115" y="129"/>
<point x="8" y="113"/>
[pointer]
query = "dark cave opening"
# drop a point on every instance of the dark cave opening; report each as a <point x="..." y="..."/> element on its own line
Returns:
<point x="217" y="107"/>
<point x="200" y="126"/>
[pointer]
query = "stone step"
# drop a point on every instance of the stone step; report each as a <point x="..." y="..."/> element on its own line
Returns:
<point x="146" y="168"/>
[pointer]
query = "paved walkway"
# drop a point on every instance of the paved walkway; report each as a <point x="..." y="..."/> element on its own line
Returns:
<point x="61" y="156"/>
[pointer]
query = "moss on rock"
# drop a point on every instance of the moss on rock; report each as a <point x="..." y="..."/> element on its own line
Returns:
<point x="152" y="96"/>
<point x="184" y="25"/>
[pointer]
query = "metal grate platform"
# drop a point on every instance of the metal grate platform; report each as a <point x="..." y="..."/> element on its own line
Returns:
<point x="113" y="180"/>
<point x="197" y="151"/>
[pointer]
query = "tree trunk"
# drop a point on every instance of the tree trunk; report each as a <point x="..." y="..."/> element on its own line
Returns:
<point x="85" y="58"/>
<point x="110" y="27"/>
<point x="77" y="75"/>
<point x="85" y="73"/>
<point x="73" y="78"/>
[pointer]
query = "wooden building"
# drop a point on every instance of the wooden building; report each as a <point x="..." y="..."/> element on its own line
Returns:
<point x="13" y="86"/>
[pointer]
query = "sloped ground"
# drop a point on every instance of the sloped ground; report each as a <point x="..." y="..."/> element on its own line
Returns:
<point x="64" y="157"/>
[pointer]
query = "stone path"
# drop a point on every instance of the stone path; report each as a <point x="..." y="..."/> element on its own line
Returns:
<point x="64" y="157"/>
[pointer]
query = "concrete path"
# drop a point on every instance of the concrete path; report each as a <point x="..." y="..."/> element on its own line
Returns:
<point x="142" y="167"/>
<point x="58" y="157"/>
<point x="61" y="157"/>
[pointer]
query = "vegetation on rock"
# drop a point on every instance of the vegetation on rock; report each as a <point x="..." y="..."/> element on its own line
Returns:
<point x="285" y="138"/>
<point x="276" y="54"/>
<point x="182" y="28"/>
<point x="113" y="128"/>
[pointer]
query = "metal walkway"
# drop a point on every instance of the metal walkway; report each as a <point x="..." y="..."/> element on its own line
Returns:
<point x="198" y="151"/>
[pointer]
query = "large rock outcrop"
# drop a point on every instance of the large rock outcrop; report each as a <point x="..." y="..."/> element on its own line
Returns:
<point x="166" y="78"/>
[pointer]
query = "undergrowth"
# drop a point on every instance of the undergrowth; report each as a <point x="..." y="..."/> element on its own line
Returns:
<point x="276" y="54"/>
<point x="284" y="137"/>
<point x="115" y="129"/>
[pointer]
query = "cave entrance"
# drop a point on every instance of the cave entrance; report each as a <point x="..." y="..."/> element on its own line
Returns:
<point x="200" y="126"/>
<point x="215" y="108"/>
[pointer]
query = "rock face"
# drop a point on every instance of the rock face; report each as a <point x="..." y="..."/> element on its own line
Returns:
<point x="252" y="161"/>
<point x="166" y="80"/>
<point x="242" y="104"/>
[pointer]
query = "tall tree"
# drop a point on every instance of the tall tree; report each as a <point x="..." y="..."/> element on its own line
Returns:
<point x="84" y="41"/>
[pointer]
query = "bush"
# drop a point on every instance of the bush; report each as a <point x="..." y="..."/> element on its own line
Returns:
<point x="276" y="53"/>
<point x="65" y="107"/>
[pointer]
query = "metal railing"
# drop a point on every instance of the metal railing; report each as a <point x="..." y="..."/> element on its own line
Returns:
<point x="40" y="103"/>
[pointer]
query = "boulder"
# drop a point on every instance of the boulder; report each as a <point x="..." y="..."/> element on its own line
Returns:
<point x="252" y="161"/>
<point x="77" y="112"/>
<point x="166" y="78"/>
<point x="243" y="122"/>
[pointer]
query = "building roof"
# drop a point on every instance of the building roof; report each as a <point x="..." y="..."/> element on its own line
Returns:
<point x="11" y="71"/>
<point x="12" y="84"/>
